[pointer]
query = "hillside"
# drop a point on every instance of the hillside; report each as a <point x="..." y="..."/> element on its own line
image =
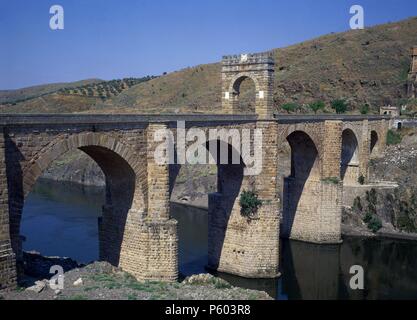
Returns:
<point x="362" y="66"/>
<point x="64" y="97"/>
<point x="19" y="95"/>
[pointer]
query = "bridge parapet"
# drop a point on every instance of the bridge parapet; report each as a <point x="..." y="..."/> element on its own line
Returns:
<point x="250" y="58"/>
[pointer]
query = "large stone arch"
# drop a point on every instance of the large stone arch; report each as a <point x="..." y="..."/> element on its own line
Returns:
<point x="309" y="129"/>
<point x="349" y="160"/>
<point x="235" y="92"/>
<point x="86" y="142"/>
<point x="301" y="188"/>
<point x="237" y="80"/>
<point x="223" y="203"/>
<point x="125" y="197"/>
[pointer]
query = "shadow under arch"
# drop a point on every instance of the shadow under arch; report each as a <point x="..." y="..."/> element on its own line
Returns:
<point x="373" y="149"/>
<point x="304" y="167"/>
<point x="121" y="187"/>
<point x="220" y="203"/>
<point x="349" y="166"/>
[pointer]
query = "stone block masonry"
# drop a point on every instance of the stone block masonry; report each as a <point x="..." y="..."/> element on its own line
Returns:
<point x="7" y="257"/>
<point x="257" y="67"/>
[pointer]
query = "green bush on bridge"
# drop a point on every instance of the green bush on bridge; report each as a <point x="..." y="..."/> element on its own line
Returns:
<point x="249" y="204"/>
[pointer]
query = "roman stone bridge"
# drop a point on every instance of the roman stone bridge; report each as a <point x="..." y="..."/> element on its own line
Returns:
<point x="136" y="231"/>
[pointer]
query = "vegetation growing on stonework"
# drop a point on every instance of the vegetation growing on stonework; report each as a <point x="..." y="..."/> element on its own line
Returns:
<point x="333" y="180"/>
<point x="361" y="180"/>
<point x="249" y="204"/>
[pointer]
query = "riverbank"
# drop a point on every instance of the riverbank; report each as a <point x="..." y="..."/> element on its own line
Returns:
<point x="385" y="233"/>
<point x="102" y="281"/>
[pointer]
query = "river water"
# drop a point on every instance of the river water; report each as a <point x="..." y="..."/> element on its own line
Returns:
<point x="61" y="219"/>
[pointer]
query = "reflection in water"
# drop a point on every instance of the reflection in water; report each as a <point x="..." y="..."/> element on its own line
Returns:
<point x="192" y="235"/>
<point x="60" y="219"/>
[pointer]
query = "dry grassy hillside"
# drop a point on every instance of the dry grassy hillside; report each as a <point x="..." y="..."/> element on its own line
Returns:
<point x="361" y="66"/>
<point x="20" y="95"/>
<point x="64" y="97"/>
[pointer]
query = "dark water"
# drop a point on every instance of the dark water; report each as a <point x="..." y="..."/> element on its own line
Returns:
<point x="61" y="219"/>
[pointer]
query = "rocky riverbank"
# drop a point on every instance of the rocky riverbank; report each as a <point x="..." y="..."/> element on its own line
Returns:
<point x="390" y="212"/>
<point x="102" y="281"/>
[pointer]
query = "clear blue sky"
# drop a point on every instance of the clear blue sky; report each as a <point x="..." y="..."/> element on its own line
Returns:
<point x="110" y="39"/>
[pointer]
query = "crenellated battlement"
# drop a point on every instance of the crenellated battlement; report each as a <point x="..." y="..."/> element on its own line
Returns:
<point x="248" y="58"/>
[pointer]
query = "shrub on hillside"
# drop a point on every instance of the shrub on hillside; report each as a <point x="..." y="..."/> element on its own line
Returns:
<point x="393" y="138"/>
<point x="289" y="107"/>
<point x="339" y="105"/>
<point x="364" y="109"/>
<point x="316" y="106"/>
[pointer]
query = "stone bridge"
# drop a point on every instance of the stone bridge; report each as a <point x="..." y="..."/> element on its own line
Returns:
<point x="136" y="231"/>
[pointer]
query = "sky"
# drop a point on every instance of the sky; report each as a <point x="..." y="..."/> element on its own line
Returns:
<point x="111" y="39"/>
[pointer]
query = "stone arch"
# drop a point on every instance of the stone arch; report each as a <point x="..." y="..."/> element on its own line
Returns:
<point x="237" y="80"/>
<point x="309" y="132"/>
<point x="84" y="142"/>
<point x="235" y="92"/>
<point x="349" y="160"/>
<point x="124" y="191"/>
<point x="304" y="156"/>
<point x="301" y="187"/>
<point x="223" y="203"/>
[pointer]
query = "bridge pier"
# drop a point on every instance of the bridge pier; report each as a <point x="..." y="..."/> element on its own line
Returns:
<point x="313" y="193"/>
<point x="242" y="246"/>
<point x="143" y="242"/>
<point x="7" y="257"/>
<point x="158" y="231"/>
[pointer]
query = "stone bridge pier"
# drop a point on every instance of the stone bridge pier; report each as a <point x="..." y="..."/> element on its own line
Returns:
<point x="238" y="245"/>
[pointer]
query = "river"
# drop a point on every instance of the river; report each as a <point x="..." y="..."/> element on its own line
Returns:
<point x="61" y="219"/>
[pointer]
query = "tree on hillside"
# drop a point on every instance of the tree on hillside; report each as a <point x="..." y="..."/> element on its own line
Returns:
<point x="289" y="107"/>
<point x="316" y="106"/>
<point x="365" y="109"/>
<point x="339" y="105"/>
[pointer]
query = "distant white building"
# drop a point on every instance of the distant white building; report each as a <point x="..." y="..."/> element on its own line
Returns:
<point x="389" y="110"/>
